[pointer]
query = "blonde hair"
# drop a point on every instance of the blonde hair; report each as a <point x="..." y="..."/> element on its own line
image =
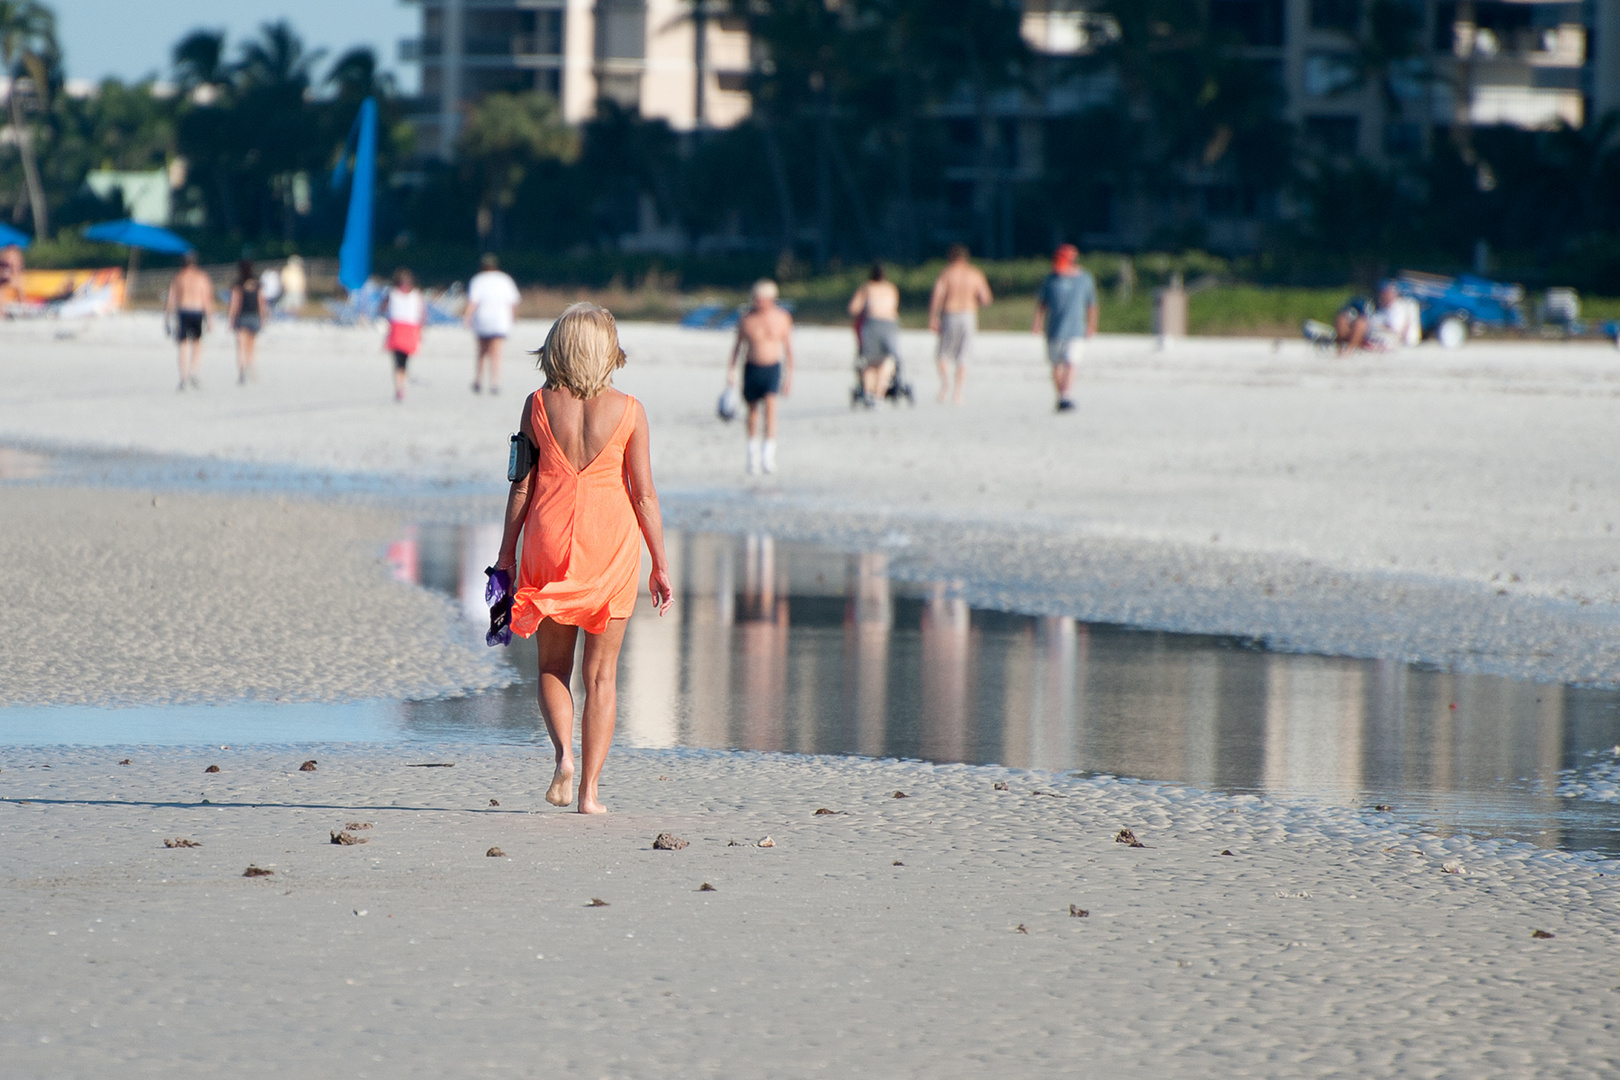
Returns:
<point x="765" y="289"/>
<point x="582" y="351"/>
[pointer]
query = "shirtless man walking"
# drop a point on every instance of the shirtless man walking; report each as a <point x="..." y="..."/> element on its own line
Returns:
<point x="765" y="344"/>
<point x="188" y="311"/>
<point x="875" y="307"/>
<point x="953" y="313"/>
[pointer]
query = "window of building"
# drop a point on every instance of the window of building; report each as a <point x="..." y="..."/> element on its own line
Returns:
<point x="478" y="81"/>
<point x="732" y="82"/>
<point x="1334" y="134"/>
<point x="1344" y="15"/>
<point x="1256" y="22"/>
<point x="621" y="29"/>
<point x="1403" y="139"/>
<point x="1329" y="73"/>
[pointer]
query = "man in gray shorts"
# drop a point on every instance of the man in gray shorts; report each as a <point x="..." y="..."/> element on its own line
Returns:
<point x="953" y="313"/>
<point x="1067" y="308"/>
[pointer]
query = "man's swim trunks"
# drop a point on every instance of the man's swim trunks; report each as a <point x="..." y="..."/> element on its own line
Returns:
<point x="760" y="380"/>
<point x="188" y="326"/>
<point x="956" y="329"/>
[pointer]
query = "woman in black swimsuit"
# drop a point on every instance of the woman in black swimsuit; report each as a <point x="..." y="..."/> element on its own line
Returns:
<point x="248" y="313"/>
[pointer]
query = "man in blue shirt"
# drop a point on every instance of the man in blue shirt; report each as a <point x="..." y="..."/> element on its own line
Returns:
<point x="1066" y="307"/>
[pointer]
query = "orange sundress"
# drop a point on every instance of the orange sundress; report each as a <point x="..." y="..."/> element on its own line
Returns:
<point x="581" y="542"/>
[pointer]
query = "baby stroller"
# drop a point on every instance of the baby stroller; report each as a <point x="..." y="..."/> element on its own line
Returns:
<point x="896" y="389"/>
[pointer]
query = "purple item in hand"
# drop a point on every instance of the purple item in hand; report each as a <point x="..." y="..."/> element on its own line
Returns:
<point x="498" y="594"/>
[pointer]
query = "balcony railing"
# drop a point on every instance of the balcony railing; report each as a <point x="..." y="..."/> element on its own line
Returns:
<point x="416" y="50"/>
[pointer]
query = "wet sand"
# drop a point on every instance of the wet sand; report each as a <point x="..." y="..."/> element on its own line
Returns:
<point x="118" y="597"/>
<point x="925" y="936"/>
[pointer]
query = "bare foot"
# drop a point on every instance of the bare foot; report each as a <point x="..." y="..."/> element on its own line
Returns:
<point x="589" y="805"/>
<point x="561" y="791"/>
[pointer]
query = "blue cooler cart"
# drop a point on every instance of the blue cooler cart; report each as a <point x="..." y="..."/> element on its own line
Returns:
<point x="1455" y="307"/>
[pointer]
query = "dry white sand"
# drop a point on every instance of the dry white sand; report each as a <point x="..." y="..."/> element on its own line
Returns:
<point x="1326" y="944"/>
<point x="1456" y="508"/>
<point x="111" y="596"/>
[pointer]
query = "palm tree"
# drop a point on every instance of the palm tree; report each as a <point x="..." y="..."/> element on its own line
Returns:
<point x="506" y="135"/>
<point x="199" y="60"/>
<point x="355" y="76"/>
<point x="277" y="58"/>
<point x="27" y="40"/>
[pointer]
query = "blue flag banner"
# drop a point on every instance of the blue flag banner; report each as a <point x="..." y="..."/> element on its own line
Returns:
<point x="354" y="257"/>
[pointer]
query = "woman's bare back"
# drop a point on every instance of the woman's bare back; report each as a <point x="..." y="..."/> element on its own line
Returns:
<point x="582" y="428"/>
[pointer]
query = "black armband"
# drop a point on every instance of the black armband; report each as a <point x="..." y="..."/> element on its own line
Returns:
<point x="521" y="461"/>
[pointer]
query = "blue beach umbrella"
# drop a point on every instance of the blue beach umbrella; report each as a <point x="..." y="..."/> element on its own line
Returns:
<point x="10" y="236"/>
<point x="136" y="235"/>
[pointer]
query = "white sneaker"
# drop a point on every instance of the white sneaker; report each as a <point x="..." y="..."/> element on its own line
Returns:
<point x="770" y="455"/>
<point x="754" y="457"/>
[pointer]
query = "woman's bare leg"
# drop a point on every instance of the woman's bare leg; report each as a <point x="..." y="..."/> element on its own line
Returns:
<point x="556" y="643"/>
<point x="601" y="709"/>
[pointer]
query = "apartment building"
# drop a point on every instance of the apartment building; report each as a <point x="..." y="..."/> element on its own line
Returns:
<point x="1526" y="63"/>
<point x="673" y="60"/>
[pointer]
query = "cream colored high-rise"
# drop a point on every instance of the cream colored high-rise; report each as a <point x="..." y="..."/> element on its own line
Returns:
<point x="642" y="54"/>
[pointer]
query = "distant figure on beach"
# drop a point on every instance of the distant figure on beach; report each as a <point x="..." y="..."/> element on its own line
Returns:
<point x="875" y="307"/>
<point x="407" y="310"/>
<point x="492" y="297"/>
<point x="270" y="286"/>
<point x="11" y="276"/>
<point x="294" y="285"/>
<point x="765" y="345"/>
<point x="1394" y="322"/>
<point x="1066" y="307"/>
<point x="249" y="310"/>
<point x="187" y="312"/>
<point x="578" y="510"/>
<point x="953" y="313"/>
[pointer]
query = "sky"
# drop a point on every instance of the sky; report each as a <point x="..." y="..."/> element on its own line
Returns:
<point x="131" y="39"/>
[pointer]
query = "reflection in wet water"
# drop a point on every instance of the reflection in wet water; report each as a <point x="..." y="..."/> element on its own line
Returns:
<point x="775" y="646"/>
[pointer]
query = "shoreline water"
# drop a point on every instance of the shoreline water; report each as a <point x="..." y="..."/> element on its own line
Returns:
<point x="1285" y="603"/>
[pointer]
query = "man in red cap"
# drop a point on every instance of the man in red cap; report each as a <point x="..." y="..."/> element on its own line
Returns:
<point x="1066" y="307"/>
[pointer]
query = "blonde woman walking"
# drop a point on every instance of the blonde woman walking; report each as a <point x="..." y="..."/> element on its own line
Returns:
<point x="578" y="510"/>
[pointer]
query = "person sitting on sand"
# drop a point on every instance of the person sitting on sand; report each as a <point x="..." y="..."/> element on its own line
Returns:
<point x="577" y="510"/>
<point x="11" y="276"/>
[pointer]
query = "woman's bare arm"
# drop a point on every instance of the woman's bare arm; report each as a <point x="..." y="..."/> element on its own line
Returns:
<point x="517" y="500"/>
<point x="644" y="498"/>
<point x="236" y="305"/>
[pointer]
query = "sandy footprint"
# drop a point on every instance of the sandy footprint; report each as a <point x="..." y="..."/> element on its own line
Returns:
<point x="561" y="791"/>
